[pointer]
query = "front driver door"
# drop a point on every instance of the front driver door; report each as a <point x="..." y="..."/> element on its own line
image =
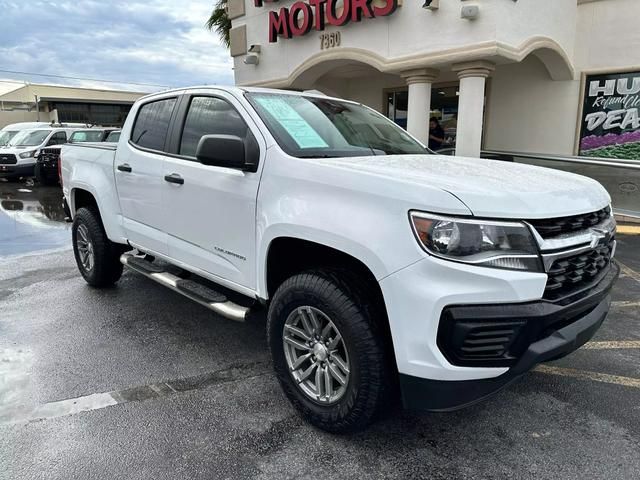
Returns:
<point x="211" y="213"/>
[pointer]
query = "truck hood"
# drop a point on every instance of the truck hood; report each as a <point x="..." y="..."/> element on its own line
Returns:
<point x="489" y="188"/>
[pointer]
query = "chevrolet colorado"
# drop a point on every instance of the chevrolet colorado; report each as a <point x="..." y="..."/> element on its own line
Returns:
<point x="382" y="267"/>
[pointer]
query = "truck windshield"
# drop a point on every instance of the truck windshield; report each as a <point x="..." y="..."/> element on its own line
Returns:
<point x="316" y="127"/>
<point x="5" y="136"/>
<point x="87" y="136"/>
<point x="29" y="138"/>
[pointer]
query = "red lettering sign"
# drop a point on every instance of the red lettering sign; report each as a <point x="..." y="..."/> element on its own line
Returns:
<point x="279" y="24"/>
<point x="302" y="17"/>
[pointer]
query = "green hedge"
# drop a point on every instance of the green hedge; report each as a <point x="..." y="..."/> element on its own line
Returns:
<point x="627" y="151"/>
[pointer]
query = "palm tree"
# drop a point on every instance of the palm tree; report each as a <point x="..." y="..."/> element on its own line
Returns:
<point x="219" y="21"/>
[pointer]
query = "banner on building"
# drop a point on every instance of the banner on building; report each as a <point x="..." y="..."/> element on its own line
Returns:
<point x="611" y="116"/>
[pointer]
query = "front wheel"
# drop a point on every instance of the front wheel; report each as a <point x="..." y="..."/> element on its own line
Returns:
<point x="97" y="257"/>
<point x="329" y="351"/>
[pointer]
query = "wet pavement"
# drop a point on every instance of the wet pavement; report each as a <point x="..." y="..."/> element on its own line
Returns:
<point x="137" y="382"/>
<point x="31" y="219"/>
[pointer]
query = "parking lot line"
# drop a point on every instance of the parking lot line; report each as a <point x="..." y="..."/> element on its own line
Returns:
<point x="593" y="376"/>
<point x="612" y="345"/>
<point x="628" y="229"/>
<point x="628" y="271"/>
<point x="97" y="401"/>
<point x="625" y="304"/>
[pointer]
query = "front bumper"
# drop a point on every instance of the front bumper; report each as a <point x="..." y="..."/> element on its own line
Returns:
<point x="565" y="328"/>
<point x="17" y="170"/>
<point x="48" y="167"/>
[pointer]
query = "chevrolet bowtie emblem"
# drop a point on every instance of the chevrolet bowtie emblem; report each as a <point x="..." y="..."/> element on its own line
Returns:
<point x="597" y="235"/>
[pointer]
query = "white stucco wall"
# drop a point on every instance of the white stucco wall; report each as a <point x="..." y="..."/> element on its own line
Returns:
<point x="412" y="34"/>
<point x="608" y="34"/>
<point x="528" y="112"/>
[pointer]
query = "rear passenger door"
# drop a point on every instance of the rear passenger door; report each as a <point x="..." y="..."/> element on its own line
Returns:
<point x="211" y="213"/>
<point x="138" y="172"/>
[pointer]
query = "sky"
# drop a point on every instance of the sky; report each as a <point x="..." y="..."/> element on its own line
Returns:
<point x="161" y="42"/>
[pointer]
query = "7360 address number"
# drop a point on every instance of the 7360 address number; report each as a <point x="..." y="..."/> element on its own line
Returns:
<point x="329" y="40"/>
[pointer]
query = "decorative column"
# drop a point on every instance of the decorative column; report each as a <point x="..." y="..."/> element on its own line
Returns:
<point x="472" y="77"/>
<point x="419" y="105"/>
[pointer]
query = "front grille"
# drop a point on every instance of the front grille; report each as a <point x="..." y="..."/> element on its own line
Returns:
<point x="554" y="227"/>
<point x="571" y="275"/>
<point x="8" y="159"/>
<point x="49" y="155"/>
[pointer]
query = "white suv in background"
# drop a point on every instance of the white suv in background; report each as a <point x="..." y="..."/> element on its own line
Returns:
<point x="18" y="157"/>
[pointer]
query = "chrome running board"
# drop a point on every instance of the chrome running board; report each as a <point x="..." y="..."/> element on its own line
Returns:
<point x="197" y="292"/>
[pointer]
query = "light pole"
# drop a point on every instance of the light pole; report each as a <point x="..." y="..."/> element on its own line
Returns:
<point x="37" y="107"/>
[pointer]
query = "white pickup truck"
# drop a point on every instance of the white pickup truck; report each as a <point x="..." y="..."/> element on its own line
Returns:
<point x="382" y="267"/>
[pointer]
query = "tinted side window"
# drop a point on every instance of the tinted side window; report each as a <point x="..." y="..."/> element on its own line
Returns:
<point x="152" y="124"/>
<point x="209" y="116"/>
<point x="58" y="138"/>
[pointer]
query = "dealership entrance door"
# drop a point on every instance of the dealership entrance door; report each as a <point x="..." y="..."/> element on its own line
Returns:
<point x="444" y="106"/>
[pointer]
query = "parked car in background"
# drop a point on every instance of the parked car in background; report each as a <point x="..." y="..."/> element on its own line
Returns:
<point x="10" y="131"/>
<point x="18" y="157"/>
<point x="378" y="263"/>
<point x="46" y="169"/>
<point x="114" y="137"/>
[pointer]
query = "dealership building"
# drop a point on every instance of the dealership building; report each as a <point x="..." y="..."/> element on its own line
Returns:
<point x="558" y="77"/>
<point x="34" y="102"/>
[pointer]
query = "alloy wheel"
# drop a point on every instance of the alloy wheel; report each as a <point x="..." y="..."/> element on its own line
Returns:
<point x="316" y="355"/>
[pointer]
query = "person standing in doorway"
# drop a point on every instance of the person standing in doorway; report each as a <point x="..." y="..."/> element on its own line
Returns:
<point x="436" y="134"/>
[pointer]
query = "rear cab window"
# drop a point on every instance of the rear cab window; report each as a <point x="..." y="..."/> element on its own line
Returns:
<point x="86" y="136"/>
<point x="152" y="124"/>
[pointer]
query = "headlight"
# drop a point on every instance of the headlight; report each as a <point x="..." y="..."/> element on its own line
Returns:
<point x="27" y="154"/>
<point x="485" y="243"/>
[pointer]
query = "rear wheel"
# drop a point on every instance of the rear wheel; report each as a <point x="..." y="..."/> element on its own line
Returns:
<point x="97" y="257"/>
<point x="329" y="351"/>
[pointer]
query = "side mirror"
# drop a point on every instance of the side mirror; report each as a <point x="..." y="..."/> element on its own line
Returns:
<point x="228" y="151"/>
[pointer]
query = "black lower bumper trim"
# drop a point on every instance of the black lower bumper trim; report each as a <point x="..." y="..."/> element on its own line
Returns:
<point x="438" y="395"/>
<point x="16" y="170"/>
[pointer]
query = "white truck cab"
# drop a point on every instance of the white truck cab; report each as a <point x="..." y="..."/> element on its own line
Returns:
<point x="380" y="264"/>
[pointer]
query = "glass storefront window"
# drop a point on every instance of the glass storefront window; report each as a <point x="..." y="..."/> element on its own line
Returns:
<point x="444" y="107"/>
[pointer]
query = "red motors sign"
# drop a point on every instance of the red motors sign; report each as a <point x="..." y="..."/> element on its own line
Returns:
<point x="301" y="17"/>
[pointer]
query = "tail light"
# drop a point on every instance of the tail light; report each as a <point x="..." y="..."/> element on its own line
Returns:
<point x="60" y="168"/>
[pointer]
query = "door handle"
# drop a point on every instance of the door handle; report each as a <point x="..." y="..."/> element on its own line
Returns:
<point x="125" y="167"/>
<point x="174" y="178"/>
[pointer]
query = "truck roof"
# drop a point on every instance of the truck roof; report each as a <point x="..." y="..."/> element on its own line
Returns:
<point x="239" y="90"/>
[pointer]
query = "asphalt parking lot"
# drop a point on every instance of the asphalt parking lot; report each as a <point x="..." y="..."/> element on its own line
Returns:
<point x="136" y="382"/>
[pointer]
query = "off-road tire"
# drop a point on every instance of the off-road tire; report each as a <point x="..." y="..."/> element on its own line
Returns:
<point x="107" y="268"/>
<point x="360" y="321"/>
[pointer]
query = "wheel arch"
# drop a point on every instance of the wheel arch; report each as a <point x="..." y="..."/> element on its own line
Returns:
<point x="289" y="255"/>
<point x="85" y="196"/>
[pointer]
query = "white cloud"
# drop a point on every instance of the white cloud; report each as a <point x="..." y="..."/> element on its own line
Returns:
<point x="161" y="42"/>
